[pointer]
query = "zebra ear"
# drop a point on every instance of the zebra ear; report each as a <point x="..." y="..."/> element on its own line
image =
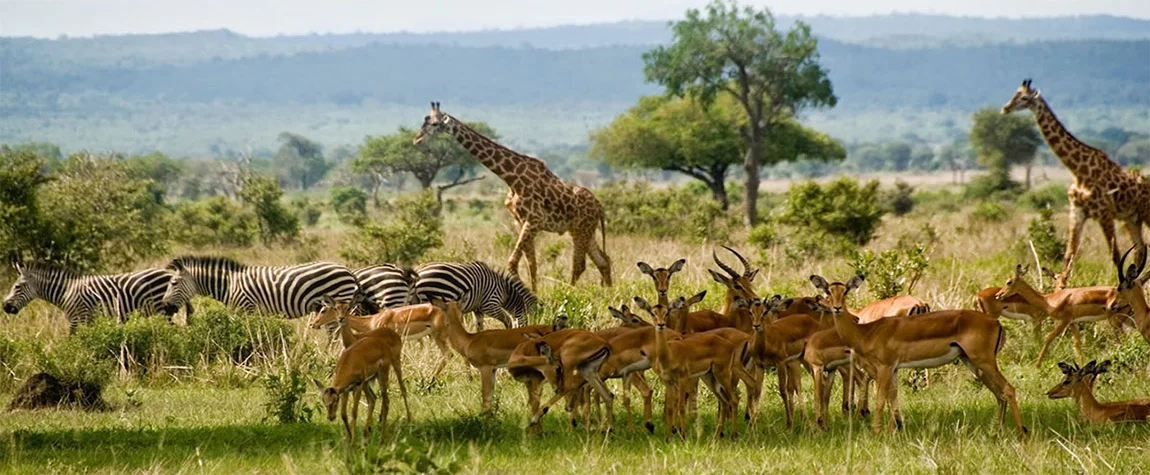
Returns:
<point x="15" y="262"/>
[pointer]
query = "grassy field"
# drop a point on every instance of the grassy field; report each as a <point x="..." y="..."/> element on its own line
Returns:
<point x="212" y="419"/>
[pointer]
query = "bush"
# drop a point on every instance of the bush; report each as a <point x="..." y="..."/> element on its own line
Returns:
<point x="1051" y="196"/>
<point x="307" y="210"/>
<point x="992" y="186"/>
<point x="350" y="204"/>
<point x="892" y="271"/>
<point x="263" y="194"/>
<point x="900" y="198"/>
<point x="413" y="228"/>
<point x="638" y="208"/>
<point x="74" y="363"/>
<point x="1041" y="232"/>
<point x="285" y="396"/>
<point x="404" y="455"/>
<point x="989" y="211"/>
<point x="216" y="221"/>
<point x="840" y="208"/>
<point x="763" y="235"/>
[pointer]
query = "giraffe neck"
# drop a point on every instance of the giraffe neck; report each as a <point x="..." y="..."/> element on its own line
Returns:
<point x="1076" y="155"/>
<point x="502" y="161"/>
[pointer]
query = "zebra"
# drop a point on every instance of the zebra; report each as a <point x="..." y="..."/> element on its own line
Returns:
<point x="385" y="286"/>
<point x="79" y="294"/>
<point x="292" y="291"/>
<point x="478" y="288"/>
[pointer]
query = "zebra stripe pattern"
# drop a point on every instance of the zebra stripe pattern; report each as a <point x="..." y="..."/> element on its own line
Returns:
<point x="291" y="291"/>
<point x="478" y="288"/>
<point x="387" y="285"/>
<point x="79" y="295"/>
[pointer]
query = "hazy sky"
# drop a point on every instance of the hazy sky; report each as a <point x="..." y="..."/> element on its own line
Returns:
<point x="49" y="18"/>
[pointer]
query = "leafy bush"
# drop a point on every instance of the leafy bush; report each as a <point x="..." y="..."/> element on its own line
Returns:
<point x="989" y="211"/>
<point x="413" y="228"/>
<point x="350" y="204"/>
<point x="900" y="199"/>
<point x="840" y="208"/>
<point x="285" y="396"/>
<point x="638" y="208"/>
<point x="1051" y="196"/>
<point x="1041" y="232"/>
<point x="263" y="194"/>
<point x="763" y="235"/>
<point x="307" y="210"/>
<point x="216" y="221"/>
<point x="992" y="186"/>
<point x="404" y="455"/>
<point x="813" y="244"/>
<point x="892" y="271"/>
<point x="73" y="362"/>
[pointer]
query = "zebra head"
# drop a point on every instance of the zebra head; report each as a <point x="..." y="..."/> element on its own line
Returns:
<point x="181" y="288"/>
<point x="519" y="300"/>
<point x="23" y="291"/>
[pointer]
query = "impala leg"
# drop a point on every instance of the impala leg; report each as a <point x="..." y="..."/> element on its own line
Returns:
<point x="355" y="410"/>
<point x="986" y="370"/>
<point x="396" y="363"/>
<point x="882" y="387"/>
<point x="487" y="375"/>
<point x="1077" y="337"/>
<point x="343" y="397"/>
<point x="862" y="388"/>
<point x="754" y="394"/>
<point x="892" y="403"/>
<point x="1059" y="327"/>
<point x="644" y="389"/>
<point x="441" y="342"/>
<point x="784" y="393"/>
<point x="823" y="382"/>
<point x="369" y="394"/>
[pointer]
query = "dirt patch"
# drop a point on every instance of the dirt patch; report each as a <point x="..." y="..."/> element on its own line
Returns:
<point x="44" y="390"/>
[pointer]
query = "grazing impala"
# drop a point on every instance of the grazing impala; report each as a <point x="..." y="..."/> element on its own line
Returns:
<point x="1079" y="384"/>
<point x="487" y="350"/>
<point x="412" y="322"/>
<point x="567" y="358"/>
<point x="926" y="341"/>
<point x="1066" y="307"/>
<point x="373" y="355"/>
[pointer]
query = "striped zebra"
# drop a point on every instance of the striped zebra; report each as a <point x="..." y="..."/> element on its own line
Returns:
<point x="292" y="291"/>
<point x="478" y="288"/>
<point x="385" y="286"/>
<point x="79" y="294"/>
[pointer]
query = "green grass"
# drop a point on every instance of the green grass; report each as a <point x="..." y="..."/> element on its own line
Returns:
<point x="211" y="419"/>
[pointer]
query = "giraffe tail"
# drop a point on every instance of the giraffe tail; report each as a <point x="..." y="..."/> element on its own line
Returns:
<point x="603" y="230"/>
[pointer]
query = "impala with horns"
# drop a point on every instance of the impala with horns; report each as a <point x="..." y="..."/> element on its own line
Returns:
<point x="1079" y="384"/>
<point x="1132" y="293"/>
<point x="737" y="284"/>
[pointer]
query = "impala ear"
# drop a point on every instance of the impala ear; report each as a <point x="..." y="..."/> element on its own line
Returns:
<point x="677" y="266"/>
<point x="820" y="283"/>
<point x="1089" y="368"/>
<point x="1066" y="369"/>
<point x="854" y="283"/>
<point x="720" y="278"/>
<point x="697" y="297"/>
<point x="642" y="303"/>
<point x="318" y="384"/>
<point x="1102" y="367"/>
<point x="615" y="313"/>
<point x="751" y="275"/>
<point x="645" y="268"/>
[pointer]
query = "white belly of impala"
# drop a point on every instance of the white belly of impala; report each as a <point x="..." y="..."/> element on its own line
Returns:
<point x="937" y="361"/>
<point x="1017" y="316"/>
<point x="835" y="364"/>
<point x="415" y="335"/>
<point x="1089" y="318"/>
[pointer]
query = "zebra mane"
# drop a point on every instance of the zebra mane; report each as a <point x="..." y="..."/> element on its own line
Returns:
<point x="205" y="261"/>
<point x="45" y="267"/>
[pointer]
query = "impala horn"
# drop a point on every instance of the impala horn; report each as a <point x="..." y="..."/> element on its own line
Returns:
<point x="734" y="274"/>
<point x="746" y="267"/>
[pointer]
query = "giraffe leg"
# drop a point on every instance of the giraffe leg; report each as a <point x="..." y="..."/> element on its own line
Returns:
<point x="1134" y="229"/>
<point x="578" y="255"/>
<point x="1077" y="219"/>
<point x="601" y="260"/>
<point x="525" y="242"/>
<point x="1106" y="222"/>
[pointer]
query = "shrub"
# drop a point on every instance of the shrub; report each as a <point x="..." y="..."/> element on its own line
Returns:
<point x="992" y="186"/>
<point x="892" y="271"/>
<point x="840" y="208"/>
<point x="763" y="235"/>
<point x="1050" y="196"/>
<point x="989" y="211"/>
<point x="1041" y="232"/>
<point x="414" y="227"/>
<point x="900" y="198"/>
<point x="285" y="396"/>
<point x="404" y="455"/>
<point x="638" y="208"/>
<point x="74" y="363"/>
<point x="307" y="210"/>
<point x="350" y="204"/>
<point x="263" y="194"/>
<point x="216" y="221"/>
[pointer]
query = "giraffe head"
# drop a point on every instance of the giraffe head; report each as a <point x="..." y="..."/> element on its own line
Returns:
<point x="433" y="123"/>
<point x="1024" y="98"/>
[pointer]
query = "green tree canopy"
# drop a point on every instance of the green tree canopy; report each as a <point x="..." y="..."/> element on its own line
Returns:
<point x="380" y="156"/>
<point x="772" y="74"/>
<point x="1001" y="141"/>
<point x="302" y="159"/>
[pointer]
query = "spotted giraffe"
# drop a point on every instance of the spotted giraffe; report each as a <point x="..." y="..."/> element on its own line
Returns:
<point x="1102" y="190"/>
<point x="538" y="200"/>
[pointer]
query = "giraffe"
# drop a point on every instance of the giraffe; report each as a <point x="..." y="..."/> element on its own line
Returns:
<point x="1102" y="190"/>
<point x="538" y="200"/>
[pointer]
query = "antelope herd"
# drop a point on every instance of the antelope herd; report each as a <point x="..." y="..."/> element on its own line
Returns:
<point x="737" y="344"/>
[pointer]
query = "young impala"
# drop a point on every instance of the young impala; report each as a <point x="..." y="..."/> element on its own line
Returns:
<point x="1079" y="384"/>
<point x="370" y="358"/>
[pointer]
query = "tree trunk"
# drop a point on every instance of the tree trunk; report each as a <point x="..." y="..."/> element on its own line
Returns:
<point x="425" y="181"/>
<point x="719" y="192"/>
<point x="1029" y="166"/>
<point x="376" y="182"/>
<point x="751" y="167"/>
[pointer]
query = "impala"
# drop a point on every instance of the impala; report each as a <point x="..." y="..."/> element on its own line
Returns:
<point x="926" y="341"/>
<point x="629" y="321"/>
<point x="412" y="322"/>
<point x="1065" y="307"/>
<point x="368" y="359"/>
<point x="567" y="358"/>
<point x="487" y="350"/>
<point x="1132" y="293"/>
<point x="737" y="284"/>
<point x="1079" y="384"/>
<point x="779" y="343"/>
<point x="662" y="277"/>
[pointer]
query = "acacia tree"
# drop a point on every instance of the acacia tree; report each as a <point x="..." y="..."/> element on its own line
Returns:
<point x="380" y="156"/>
<point x="302" y="158"/>
<point x="740" y="51"/>
<point x="1004" y="140"/>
